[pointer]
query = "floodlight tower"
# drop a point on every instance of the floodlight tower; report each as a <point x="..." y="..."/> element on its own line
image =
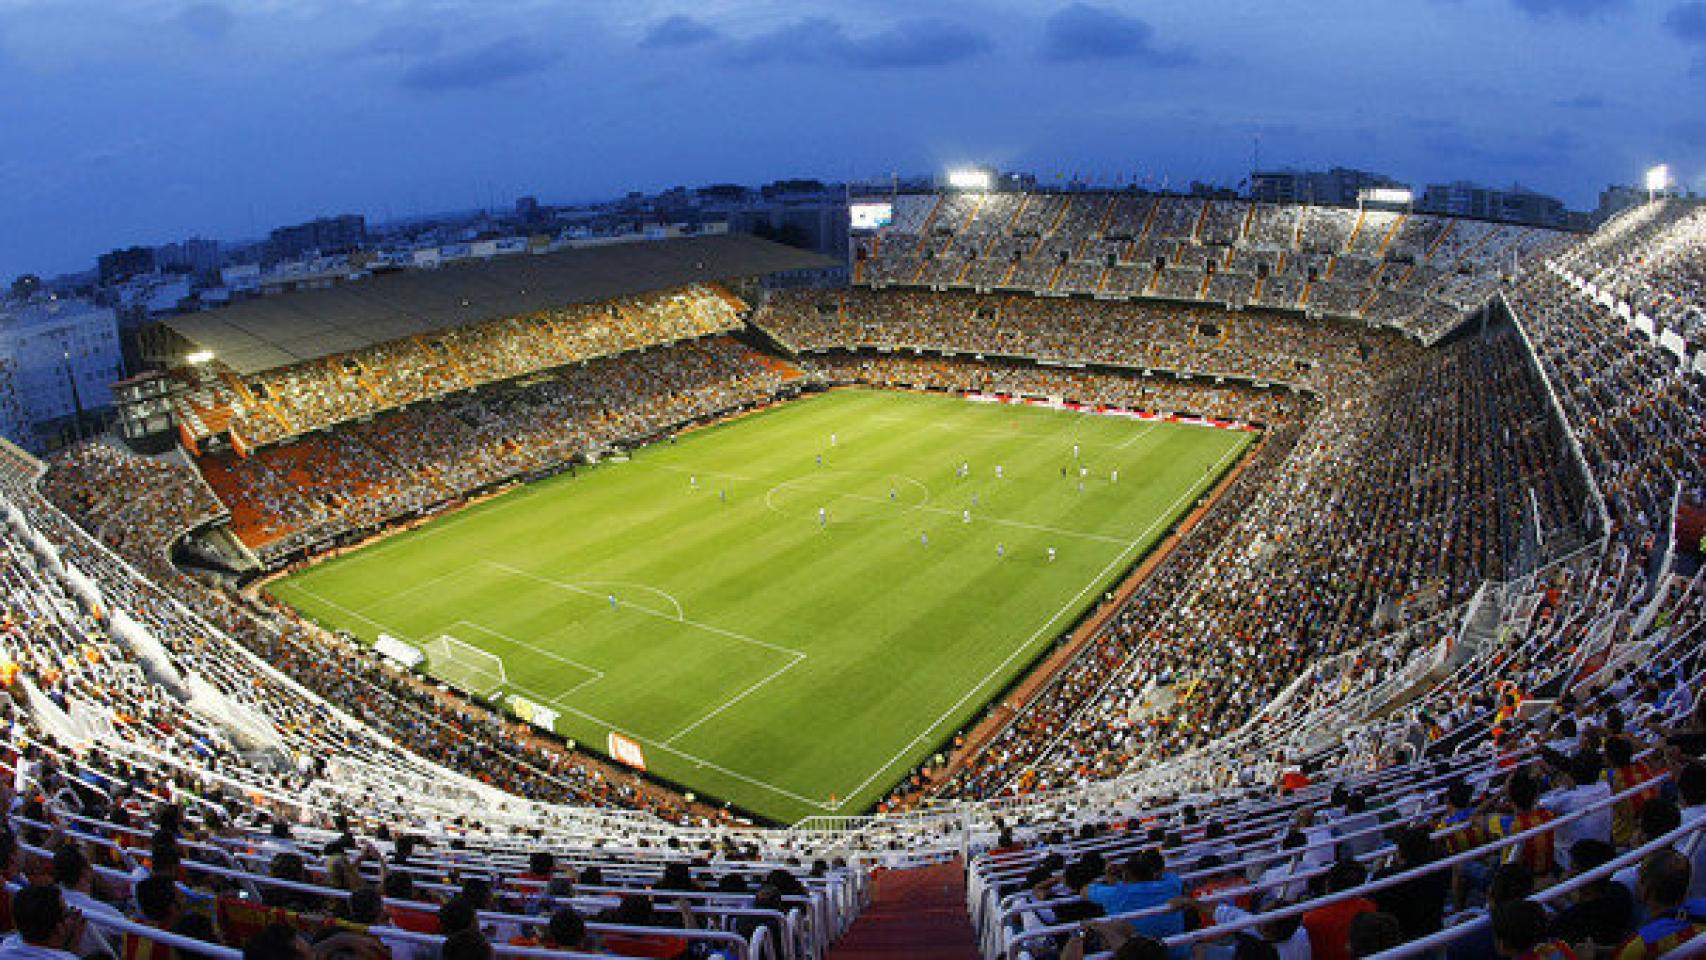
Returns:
<point x="970" y="179"/>
<point x="1658" y="180"/>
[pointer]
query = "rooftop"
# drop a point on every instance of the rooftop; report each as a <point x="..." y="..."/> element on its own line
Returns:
<point x="289" y="328"/>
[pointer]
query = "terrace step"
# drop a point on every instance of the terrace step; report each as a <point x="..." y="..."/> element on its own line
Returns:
<point x="918" y="914"/>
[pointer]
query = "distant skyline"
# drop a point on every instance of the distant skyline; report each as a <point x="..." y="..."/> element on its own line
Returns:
<point x="146" y="121"/>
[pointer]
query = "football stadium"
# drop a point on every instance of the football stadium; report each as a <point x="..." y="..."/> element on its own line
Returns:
<point x="1064" y="571"/>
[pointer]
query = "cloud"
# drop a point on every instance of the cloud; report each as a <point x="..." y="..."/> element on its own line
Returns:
<point x="912" y="43"/>
<point x="1687" y="21"/>
<point x="1574" y="9"/>
<point x="678" y="31"/>
<point x="919" y="43"/>
<point x="482" y="66"/>
<point x="1084" y="32"/>
<point x="209" y="21"/>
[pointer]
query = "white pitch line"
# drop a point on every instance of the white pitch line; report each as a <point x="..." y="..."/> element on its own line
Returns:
<point x="431" y="528"/>
<point x="574" y="588"/>
<point x="695" y="758"/>
<point x="536" y="649"/>
<point x="684" y="731"/>
<point x="354" y="613"/>
<point x="1148" y="429"/>
<point x="400" y="594"/>
<point x="1093" y="584"/>
<point x="680" y="611"/>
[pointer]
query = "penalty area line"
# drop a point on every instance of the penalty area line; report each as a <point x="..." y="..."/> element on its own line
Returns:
<point x="749" y="691"/>
<point x="683" y="754"/>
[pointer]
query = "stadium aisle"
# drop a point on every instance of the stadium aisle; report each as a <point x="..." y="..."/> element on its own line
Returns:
<point x="919" y="914"/>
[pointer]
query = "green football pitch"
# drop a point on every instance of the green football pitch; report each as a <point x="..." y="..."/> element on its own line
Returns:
<point x="789" y="610"/>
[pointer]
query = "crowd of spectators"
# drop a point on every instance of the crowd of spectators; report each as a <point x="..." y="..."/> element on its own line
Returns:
<point x="1146" y="336"/>
<point x="1168" y="397"/>
<point x="1419" y="273"/>
<point x="1602" y="788"/>
<point x="100" y="861"/>
<point x="1590" y="691"/>
<point x="1634" y="407"/>
<point x="1652" y="257"/>
<point x="281" y="403"/>
<point x="141" y="527"/>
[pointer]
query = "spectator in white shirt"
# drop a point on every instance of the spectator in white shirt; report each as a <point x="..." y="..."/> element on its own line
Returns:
<point x="1358" y="829"/>
<point x="1283" y="870"/>
<point x="1582" y="786"/>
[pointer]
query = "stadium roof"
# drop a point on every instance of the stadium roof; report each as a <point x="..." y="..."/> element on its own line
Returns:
<point x="277" y="331"/>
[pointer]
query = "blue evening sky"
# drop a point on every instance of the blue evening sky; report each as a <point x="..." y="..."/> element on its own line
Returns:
<point x="145" y="121"/>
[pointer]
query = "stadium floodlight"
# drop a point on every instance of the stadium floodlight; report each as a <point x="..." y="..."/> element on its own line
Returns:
<point x="200" y="357"/>
<point x="1392" y="195"/>
<point x="969" y="179"/>
<point x="1658" y="178"/>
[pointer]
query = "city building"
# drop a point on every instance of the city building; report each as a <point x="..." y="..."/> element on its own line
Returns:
<point x="117" y="266"/>
<point x="1460" y="198"/>
<point x="196" y="255"/>
<point x="325" y="235"/>
<point x="62" y="358"/>
<point x="1338" y="187"/>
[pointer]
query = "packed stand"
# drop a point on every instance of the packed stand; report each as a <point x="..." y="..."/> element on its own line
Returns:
<point x="1169" y="397"/>
<point x="1200" y="340"/>
<point x="1577" y="832"/>
<point x="1416" y="272"/>
<point x="277" y="404"/>
<point x="141" y="527"/>
<point x="1652" y="257"/>
<point x="148" y="867"/>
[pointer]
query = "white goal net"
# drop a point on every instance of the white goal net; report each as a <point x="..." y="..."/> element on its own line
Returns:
<point x="466" y="666"/>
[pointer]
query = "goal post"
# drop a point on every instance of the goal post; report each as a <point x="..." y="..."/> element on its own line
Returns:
<point x="466" y="666"/>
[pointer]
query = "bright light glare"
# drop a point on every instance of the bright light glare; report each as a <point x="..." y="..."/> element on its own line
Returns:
<point x="968" y="179"/>
<point x="1387" y="195"/>
<point x="1658" y="178"/>
<point x="200" y="357"/>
